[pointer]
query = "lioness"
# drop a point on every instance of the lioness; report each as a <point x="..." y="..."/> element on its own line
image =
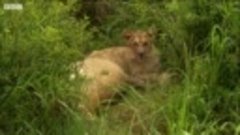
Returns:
<point x="138" y="58"/>
<point x="109" y="68"/>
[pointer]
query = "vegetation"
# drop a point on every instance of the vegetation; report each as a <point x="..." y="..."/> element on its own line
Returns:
<point x="198" y="39"/>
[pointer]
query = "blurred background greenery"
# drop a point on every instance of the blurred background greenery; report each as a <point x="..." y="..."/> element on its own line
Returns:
<point x="198" y="39"/>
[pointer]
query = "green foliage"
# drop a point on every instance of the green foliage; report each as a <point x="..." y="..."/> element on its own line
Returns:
<point x="199" y="40"/>
<point x="37" y="46"/>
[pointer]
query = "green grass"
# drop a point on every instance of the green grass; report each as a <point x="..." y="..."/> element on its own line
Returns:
<point x="199" y="40"/>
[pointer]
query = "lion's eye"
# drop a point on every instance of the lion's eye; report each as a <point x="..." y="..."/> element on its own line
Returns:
<point x="145" y="44"/>
<point x="135" y="44"/>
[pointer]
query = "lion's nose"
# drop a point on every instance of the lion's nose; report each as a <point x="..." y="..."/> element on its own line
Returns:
<point x="141" y="54"/>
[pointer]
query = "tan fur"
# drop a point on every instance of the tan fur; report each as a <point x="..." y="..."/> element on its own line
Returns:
<point x="102" y="77"/>
<point x="109" y="68"/>
<point x="137" y="58"/>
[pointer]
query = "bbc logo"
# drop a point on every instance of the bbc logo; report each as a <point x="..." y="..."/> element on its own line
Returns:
<point x="12" y="6"/>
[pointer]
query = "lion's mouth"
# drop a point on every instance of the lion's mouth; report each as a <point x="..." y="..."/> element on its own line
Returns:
<point x="141" y="55"/>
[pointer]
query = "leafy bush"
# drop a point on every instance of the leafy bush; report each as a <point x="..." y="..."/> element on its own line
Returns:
<point x="37" y="46"/>
<point x="197" y="39"/>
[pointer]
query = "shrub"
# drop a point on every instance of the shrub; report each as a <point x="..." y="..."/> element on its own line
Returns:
<point x="37" y="45"/>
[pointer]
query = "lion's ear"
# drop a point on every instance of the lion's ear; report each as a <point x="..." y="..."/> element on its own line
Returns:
<point x="127" y="34"/>
<point x="151" y="32"/>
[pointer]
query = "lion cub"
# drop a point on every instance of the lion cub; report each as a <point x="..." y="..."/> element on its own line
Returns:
<point x="103" y="78"/>
<point x="110" y="68"/>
